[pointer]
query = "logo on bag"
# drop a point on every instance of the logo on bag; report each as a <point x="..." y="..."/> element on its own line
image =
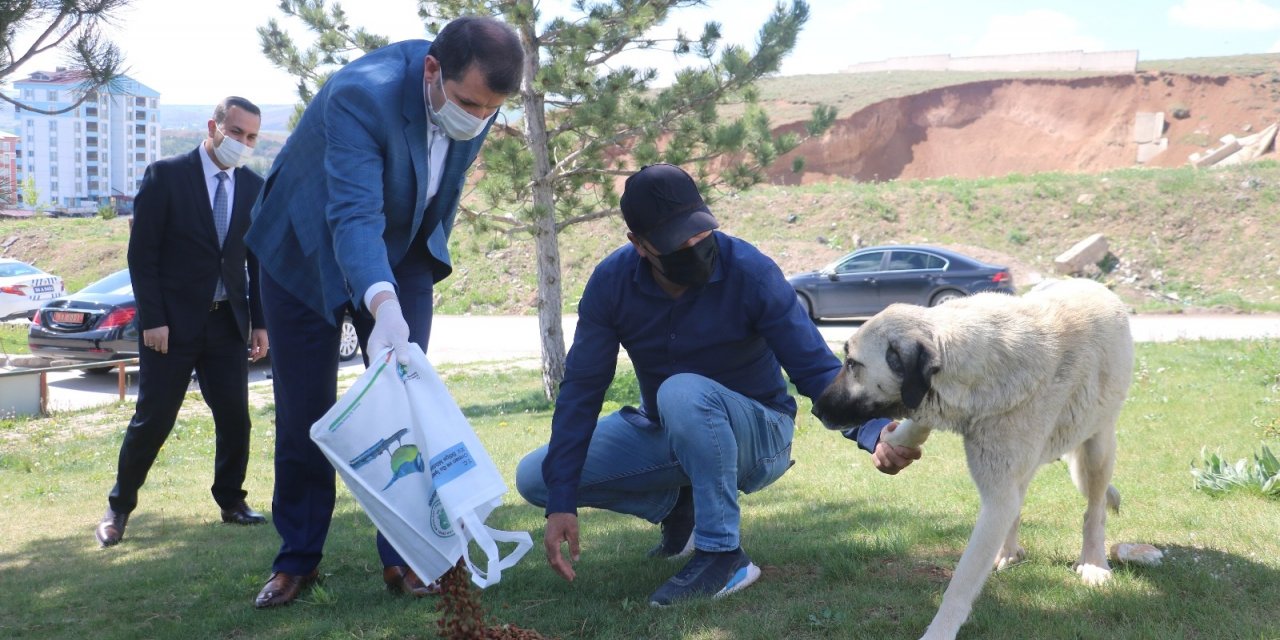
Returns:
<point x="405" y="373"/>
<point x="439" y="519"/>
<point x="405" y="460"/>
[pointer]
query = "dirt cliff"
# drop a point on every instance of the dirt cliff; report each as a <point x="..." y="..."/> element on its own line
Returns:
<point x="997" y="127"/>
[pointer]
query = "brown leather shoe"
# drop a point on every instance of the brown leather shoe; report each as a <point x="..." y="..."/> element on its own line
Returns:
<point x="111" y="528"/>
<point x="242" y="514"/>
<point x="402" y="579"/>
<point x="283" y="588"/>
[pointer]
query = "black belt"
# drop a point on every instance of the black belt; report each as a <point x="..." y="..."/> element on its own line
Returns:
<point x="219" y="304"/>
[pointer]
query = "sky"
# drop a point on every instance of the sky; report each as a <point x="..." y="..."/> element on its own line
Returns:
<point x="195" y="52"/>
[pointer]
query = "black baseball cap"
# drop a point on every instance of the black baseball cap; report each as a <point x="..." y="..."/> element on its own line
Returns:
<point x="661" y="204"/>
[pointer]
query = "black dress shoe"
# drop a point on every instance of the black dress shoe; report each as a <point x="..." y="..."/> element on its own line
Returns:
<point x="242" y="514"/>
<point x="111" y="528"/>
<point x="283" y="588"/>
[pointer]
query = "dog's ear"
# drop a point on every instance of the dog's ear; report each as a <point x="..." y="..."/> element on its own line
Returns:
<point x="916" y="360"/>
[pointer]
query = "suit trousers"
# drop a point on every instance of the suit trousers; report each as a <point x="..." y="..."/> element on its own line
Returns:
<point x="219" y="357"/>
<point x="304" y="364"/>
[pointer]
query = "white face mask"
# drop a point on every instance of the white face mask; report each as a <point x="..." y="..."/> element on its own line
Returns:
<point x="231" y="152"/>
<point x="454" y="120"/>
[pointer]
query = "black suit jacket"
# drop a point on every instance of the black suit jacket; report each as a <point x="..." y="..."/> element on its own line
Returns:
<point x="174" y="259"/>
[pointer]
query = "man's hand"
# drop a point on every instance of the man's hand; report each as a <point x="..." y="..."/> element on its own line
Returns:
<point x="890" y="458"/>
<point x="258" y="345"/>
<point x="156" y="339"/>
<point x="561" y="527"/>
<point x="390" y="331"/>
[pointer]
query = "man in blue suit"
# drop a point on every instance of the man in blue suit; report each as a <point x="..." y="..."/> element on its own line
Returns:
<point x="356" y="212"/>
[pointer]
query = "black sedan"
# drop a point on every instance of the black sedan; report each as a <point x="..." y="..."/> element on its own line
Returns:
<point x="100" y="322"/>
<point x="864" y="282"/>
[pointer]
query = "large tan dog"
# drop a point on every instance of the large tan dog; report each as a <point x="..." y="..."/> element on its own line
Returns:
<point x="1024" y="381"/>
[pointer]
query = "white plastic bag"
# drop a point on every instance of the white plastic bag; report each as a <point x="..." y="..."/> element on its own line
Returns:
<point x="407" y="413"/>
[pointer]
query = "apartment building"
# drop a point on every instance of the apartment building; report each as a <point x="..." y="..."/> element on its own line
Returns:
<point x="93" y="152"/>
<point x="8" y="169"/>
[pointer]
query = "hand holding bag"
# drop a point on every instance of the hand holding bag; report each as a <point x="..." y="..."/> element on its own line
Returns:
<point x="406" y="413"/>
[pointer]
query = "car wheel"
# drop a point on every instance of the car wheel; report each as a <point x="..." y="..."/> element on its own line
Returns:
<point x="808" y="308"/>
<point x="350" y="343"/>
<point x="100" y="370"/>
<point x="943" y="296"/>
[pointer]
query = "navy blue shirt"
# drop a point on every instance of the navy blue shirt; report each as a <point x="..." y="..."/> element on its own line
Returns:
<point x="740" y="329"/>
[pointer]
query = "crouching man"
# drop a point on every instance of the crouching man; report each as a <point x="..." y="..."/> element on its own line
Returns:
<point x="709" y="323"/>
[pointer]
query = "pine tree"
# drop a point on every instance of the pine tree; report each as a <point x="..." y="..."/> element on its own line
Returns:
<point x="71" y="26"/>
<point x="588" y="120"/>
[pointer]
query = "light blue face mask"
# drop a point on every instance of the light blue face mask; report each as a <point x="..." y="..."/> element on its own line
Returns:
<point x="454" y="120"/>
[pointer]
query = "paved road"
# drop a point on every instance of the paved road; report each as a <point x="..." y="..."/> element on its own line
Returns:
<point x="457" y="339"/>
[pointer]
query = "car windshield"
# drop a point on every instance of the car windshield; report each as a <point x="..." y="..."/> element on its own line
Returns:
<point x="117" y="282"/>
<point x="10" y="269"/>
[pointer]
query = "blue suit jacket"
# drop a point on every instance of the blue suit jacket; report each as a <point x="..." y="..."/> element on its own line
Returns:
<point x="347" y="194"/>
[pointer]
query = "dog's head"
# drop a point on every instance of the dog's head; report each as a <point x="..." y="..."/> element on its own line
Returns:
<point x="889" y="364"/>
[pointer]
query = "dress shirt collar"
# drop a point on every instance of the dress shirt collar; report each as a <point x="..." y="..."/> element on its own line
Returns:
<point x="210" y="168"/>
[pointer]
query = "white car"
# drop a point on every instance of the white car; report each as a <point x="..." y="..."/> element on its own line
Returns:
<point x="24" y="288"/>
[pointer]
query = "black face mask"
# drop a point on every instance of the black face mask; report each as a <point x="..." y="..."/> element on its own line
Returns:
<point x="691" y="266"/>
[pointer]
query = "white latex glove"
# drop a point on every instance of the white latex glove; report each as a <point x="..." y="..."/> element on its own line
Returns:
<point x="390" y="331"/>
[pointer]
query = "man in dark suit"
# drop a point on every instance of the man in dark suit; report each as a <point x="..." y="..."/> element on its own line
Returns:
<point x="198" y="305"/>
<point x="357" y="212"/>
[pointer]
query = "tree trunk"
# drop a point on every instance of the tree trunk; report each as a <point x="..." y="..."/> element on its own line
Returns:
<point x="550" y="294"/>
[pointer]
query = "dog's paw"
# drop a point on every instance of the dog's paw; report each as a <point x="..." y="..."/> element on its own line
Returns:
<point x="1092" y="574"/>
<point x="1007" y="559"/>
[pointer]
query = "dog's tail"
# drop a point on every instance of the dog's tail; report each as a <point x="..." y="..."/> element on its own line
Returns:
<point x="1113" y="499"/>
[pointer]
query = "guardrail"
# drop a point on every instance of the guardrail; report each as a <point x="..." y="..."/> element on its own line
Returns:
<point x="16" y="377"/>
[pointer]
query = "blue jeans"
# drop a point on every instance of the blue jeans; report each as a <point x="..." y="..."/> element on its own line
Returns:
<point x="711" y="438"/>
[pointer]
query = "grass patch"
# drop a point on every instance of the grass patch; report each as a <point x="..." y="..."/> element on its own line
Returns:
<point x="13" y="338"/>
<point x="846" y="552"/>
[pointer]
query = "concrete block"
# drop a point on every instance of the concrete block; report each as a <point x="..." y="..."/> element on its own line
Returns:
<point x="1089" y="251"/>
<point x="1149" y="150"/>
<point x="1212" y="157"/>
<point x="27" y="362"/>
<point x="1148" y="126"/>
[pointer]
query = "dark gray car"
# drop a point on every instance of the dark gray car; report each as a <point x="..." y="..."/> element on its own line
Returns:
<point x="864" y="282"/>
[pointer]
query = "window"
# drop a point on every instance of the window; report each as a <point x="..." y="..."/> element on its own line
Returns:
<point x="914" y="260"/>
<point x="862" y="263"/>
<point x="142" y="129"/>
<point x="91" y="112"/>
<point x="139" y="102"/>
<point x="51" y="95"/>
<point x="141" y="157"/>
<point x="91" y="127"/>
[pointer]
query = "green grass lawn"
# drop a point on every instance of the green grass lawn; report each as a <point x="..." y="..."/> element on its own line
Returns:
<point x="846" y="552"/>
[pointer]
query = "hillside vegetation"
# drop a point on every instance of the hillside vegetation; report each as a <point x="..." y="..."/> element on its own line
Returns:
<point x="1182" y="239"/>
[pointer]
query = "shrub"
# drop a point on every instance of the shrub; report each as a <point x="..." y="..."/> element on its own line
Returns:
<point x="1218" y="476"/>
